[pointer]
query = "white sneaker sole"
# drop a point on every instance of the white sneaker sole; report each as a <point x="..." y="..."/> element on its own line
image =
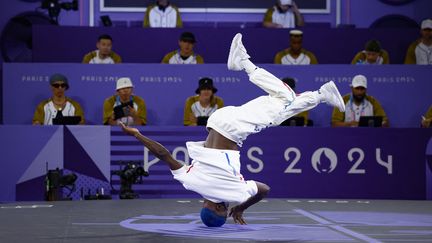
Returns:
<point x="334" y="90"/>
<point x="231" y="55"/>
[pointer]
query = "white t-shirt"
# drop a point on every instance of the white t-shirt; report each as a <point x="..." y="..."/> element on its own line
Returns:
<point x="177" y="59"/>
<point x="287" y="19"/>
<point x="98" y="60"/>
<point x="423" y="54"/>
<point x="215" y="175"/>
<point x="164" y="19"/>
<point x="353" y="112"/>
<point x="199" y="110"/>
<point x="51" y="112"/>
<point x="302" y="59"/>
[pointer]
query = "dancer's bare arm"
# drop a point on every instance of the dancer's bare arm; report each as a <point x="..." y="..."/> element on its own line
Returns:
<point x="156" y="148"/>
<point x="237" y="211"/>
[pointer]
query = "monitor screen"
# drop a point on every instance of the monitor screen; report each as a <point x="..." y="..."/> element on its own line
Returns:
<point x="370" y="121"/>
<point x="67" y="120"/>
<point x="202" y="120"/>
<point x="294" y="122"/>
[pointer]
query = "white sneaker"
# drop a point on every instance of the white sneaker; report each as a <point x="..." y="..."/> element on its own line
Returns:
<point x="237" y="53"/>
<point x="332" y="95"/>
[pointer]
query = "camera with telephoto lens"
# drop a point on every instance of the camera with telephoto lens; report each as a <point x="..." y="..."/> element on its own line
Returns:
<point x="129" y="175"/>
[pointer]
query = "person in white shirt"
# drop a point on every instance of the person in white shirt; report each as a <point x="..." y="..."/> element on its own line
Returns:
<point x="420" y="51"/>
<point x="104" y="53"/>
<point x="200" y="106"/>
<point x="162" y="15"/>
<point x="215" y="169"/>
<point x="186" y="54"/>
<point x="285" y="14"/>
<point x="357" y="104"/>
<point x="295" y="54"/>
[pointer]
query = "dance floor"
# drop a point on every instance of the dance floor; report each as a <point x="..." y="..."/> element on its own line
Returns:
<point x="175" y="220"/>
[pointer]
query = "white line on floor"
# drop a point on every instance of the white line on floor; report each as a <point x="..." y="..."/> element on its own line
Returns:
<point x="335" y="227"/>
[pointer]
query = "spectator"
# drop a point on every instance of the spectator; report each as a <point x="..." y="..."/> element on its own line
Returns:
<point x="427" y="118"/>
<point x="186" y="54"/>
<point x="58" y="105"/>
<point x="199" y="107"/>
<point x="295" y="54"/>
<point x="358" y="104"/>
<point x="285" y="14"/>
<point x="124" y="106"/>
<point x="420" y="51"/>
<point x="305" y="114"/>
<point x="103" y="54"/>
<point x="372" y="54"/>
<point x="162" y="15"/>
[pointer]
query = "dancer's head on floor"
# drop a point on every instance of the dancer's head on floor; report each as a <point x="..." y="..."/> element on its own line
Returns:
<point x="214" y="214"/>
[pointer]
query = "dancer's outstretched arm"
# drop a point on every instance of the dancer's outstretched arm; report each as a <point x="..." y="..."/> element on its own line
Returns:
<point x="156" y="148"/>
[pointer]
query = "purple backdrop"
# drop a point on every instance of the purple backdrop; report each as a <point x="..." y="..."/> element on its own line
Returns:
<point x="296" y="162"/>
<point x="28" y="151"/>
<point x="404" y="91"/>
<point x="137" y="45"/>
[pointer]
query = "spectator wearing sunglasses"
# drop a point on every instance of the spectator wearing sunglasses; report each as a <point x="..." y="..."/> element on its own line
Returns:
<point x="58" y="105"/>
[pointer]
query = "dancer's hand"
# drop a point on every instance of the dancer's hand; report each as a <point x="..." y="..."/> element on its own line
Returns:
<point x="237" y="214"/>
<point x="129" y="130"/>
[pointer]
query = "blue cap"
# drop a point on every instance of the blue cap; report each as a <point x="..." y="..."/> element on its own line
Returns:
<point x="59" y="77"/>
<point x="211" y="219"/>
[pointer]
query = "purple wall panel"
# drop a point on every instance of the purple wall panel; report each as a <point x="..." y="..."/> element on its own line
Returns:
<point x="403" y="90"/>
<point x="364" y="13"/>
<point x="356" y="163"/>
<point x="20" y="146"/>
<point x="319" y="178"/>
<point x="136" y="45"/>
<point x="25" y="151"/>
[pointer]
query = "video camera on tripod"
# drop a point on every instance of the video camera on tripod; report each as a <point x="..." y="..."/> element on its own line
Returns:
<point x="55" y="181"/>
<point x="129" y="175"/>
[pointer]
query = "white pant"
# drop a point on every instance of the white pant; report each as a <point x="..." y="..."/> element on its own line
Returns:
<point x="238" y="122"/>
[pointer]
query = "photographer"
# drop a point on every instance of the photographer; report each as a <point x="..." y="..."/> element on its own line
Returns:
<point x="124" y="106"/>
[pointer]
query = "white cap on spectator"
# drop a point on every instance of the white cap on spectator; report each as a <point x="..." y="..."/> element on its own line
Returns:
<point x="286" y="2"/>
<point x="296" y="32"/>
<point x="359" y="81"/>
<point x="426" y="24"/>
<point x="124" y="83"/>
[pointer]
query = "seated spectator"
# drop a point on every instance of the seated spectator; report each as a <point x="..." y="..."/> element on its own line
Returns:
<point x="103" y="54"/>
<point x="58" y="105"/>
<point x="295" y="54"/>
<point x="305" y="114"/>
<point x="162" y="15"/>
<point x="358" y="104"/>
<point x="186" y="54"/>
<point x="285" y="14"/>
<point x="427" y="118"/>
<point x="372" y="54"/>
<point x="199" y="107"/>
<point x="420" y="51"/>
<point x="124" y="106"/>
